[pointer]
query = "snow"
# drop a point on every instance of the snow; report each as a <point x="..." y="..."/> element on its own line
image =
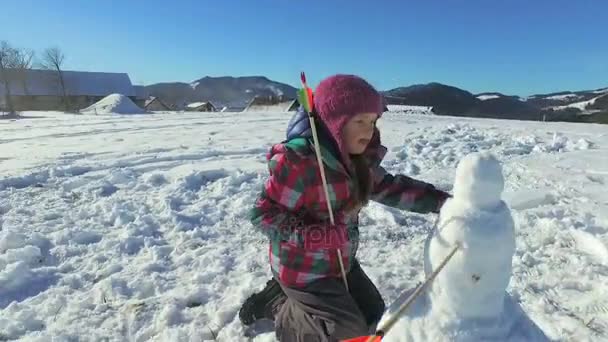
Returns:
<point x="275" y="90"/>
<point x="113" y="104"/>
<point x="193" y="85"/>
<point x="601" y="91"/>
<point x="195" y="104"/>
<point x="405" y="109"/>
<point x="136" y="227"/>
<point x="150" y="100"/>
<point x="564" y="97"/>
<point x="487" y="97"/>
<point x="479" y="180"/>
<point x="579" y="105"/>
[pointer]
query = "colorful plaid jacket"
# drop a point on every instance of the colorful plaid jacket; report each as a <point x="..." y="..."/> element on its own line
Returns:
<point x="292" y="209"/>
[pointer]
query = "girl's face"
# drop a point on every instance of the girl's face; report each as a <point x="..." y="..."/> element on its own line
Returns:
<point x="358" y="132"/>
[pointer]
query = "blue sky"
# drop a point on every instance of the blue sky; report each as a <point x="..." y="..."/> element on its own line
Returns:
<point x="516" y="46"/>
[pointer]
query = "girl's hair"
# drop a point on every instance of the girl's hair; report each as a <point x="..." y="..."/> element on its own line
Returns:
<point x="363" y="184"/>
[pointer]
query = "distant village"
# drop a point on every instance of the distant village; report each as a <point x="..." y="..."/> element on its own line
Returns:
<point x="45" y="86"/>
<point x="40" y="90"/>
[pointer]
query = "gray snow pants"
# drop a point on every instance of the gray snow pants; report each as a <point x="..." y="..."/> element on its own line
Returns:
<point x="325" y="312"/>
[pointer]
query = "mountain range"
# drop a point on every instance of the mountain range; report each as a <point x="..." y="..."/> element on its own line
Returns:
<point x="577" y="106"/>
<point x="237" y="92"/>
<point x="232" y="92"/>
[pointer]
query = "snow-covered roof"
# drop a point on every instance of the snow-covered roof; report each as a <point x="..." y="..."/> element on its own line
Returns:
<point x="150" y="100"/>
<point x="197" y="104"/>
<point x="284" y="106"/>
<point x="85" y="83"/>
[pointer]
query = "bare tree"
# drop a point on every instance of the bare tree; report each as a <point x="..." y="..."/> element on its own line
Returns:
<point x="52" y="59"/>
<point x="7" y="61"/>
<point x="23" y="62"/>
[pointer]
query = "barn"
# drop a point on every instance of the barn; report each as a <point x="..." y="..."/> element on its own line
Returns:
<point x="155" y="104"/>
<point x="41" y="89"/>
<point x="201" y="107"/>
<point x="272" y="104"/>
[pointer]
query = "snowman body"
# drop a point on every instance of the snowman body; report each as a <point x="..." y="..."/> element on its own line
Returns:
<point x="467" y="301"/>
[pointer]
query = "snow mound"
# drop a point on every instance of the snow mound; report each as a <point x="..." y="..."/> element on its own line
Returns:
<point x="113" y="104"/>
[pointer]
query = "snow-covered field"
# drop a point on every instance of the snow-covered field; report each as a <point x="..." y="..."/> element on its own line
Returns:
<point x="487" y="97"/>
<point x="564" y="97"/>
<point x="134" y="228"/>
<point x="405" y="109"/>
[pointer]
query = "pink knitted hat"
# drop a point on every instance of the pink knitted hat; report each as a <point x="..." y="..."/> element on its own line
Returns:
<point x="338" y="98"/>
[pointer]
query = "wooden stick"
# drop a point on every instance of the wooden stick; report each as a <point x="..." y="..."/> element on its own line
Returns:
<point x="342" y="269"/>
<point x="325" y="189"/>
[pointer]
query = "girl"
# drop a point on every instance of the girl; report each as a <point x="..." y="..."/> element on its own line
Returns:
<point x="314" y="295"/>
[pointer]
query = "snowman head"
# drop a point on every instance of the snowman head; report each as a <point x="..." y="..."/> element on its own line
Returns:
<point x="479" y="180"/>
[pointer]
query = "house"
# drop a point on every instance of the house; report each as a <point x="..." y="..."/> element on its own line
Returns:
<point x="155" y="104"/>
<point x="272" y="104"/>
<point x="201" y="107"/>
<point x="41" y="89"/>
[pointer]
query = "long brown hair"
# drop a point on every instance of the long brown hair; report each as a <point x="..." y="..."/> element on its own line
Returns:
<point x="363" y="183"/>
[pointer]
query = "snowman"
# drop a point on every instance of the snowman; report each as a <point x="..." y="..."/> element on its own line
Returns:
<point x="467" y="301"/>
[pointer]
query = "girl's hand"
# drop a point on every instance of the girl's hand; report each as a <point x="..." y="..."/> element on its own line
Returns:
<point x="443" y="197"/>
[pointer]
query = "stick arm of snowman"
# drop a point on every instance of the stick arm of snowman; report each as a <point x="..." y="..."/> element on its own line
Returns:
<point x="305" y="97"/>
